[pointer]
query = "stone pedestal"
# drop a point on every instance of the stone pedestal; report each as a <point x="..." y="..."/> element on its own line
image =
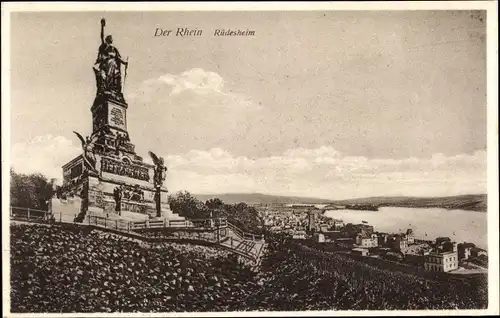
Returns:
<point x="121" y="184"/>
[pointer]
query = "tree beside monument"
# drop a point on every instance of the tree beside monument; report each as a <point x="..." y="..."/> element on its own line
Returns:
<point x="30" y="190"/>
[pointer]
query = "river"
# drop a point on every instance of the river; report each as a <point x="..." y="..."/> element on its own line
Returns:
<point x="459" y="225"/>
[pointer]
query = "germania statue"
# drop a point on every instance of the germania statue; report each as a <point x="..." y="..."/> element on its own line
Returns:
<point x="107" y="66"/>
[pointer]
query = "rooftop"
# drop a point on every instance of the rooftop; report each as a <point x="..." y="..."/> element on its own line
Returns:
<point x="358" y="249"/>
<point x="442" y="253"/>
<point x="478" y="249"/>
<point x="467" y="245"/>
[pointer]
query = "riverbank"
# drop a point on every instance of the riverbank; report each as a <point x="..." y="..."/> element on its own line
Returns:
<point x="472" y="202"/>
<point x="426" y="224"/>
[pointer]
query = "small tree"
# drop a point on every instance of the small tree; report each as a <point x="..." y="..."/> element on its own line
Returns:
<point x="30" y="190"/>
<point x="184" y="204"/>
<point x="215" y="207"/>
<point x="214" y="204"/>
<point x="244" y="216"/>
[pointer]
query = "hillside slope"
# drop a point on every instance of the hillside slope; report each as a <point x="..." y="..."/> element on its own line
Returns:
<point x="59" y="269"/>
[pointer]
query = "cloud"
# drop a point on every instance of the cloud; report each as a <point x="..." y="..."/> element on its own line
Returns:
<point x="44" y="154"/>
<point x="197" y="82"/>
<point x="325" y="172"/>
<point x="320" y="172"/>
<point x="191" y="110"/>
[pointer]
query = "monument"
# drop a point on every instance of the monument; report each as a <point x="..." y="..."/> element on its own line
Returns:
<point x="109" y="176"/>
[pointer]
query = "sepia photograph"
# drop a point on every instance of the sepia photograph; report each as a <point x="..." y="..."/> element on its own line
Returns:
<point x="250" y="159"/>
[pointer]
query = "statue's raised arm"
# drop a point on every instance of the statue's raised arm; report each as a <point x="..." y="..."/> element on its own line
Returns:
<point x="103" y="24"/>
<point x="107" y="67"/>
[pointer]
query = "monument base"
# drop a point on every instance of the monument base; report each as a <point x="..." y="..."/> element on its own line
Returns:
<point x="111" y="179"/>
<point x="121" y="191"/>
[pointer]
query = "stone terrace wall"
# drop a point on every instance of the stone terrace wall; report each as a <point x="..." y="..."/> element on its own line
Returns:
<point x="65" y="210"/>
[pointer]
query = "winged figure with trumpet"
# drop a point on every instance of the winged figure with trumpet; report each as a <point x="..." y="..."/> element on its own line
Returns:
<point x="160" y="169"/>
<point x="88" y="153"/>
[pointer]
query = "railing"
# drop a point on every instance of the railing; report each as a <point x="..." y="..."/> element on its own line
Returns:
<point x="21" y="213"/>
<point x="178" y="223"/>
<point x="245" y="235"/>
<point x="191" y="223"/>
<point x="155" y="224"/>
<point x="116" y="224"/>
<point x="244" y="243"/>
<point x="202" y="223"/>
<point x="28" y="214"/>
<point x="209" y="223"/>
<point x="242" y="246"/>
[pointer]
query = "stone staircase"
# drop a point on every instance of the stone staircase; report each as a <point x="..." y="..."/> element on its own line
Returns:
<point x="245" y="243"/>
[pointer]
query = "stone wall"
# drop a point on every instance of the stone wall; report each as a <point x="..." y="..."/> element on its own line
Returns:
<point x="65" y="209"/>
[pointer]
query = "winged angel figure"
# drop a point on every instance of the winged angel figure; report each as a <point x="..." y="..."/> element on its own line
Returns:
<point x="160" y="169"/>
<point x="88" y="153"/>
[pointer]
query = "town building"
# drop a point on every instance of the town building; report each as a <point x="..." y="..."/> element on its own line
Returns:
<point x="299" y="235"/>
<point x="367" y="241"/>
<point x="441" y="262"/>
<point x="319" y="237"/>
<point x="337" y="224"/>
<point x="382" y="239"/>
<point x="360" y="251"/>
<point x="312" y="219"/>
<point x="398" y="243"/>
<point x="366" y="229"/>
<point x="410" y="237"/>
<point x="419" y="249"/>
<point x="323" y="227"/>
<point x="444" y="244"/>
<point x="332" y="235"/>
<point x="345" y="243"/>
<point x="465" y="250"/>
<point x="476" y="252"/>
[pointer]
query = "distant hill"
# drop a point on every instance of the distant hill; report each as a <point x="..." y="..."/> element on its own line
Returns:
<point x="472" y="202"/>
<point x="258" y="198"/>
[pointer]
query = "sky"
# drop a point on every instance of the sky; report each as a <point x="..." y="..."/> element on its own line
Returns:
<point x="325" y="104"/>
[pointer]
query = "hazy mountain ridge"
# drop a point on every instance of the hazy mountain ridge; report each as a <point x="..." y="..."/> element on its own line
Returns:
<point x="472" y="202"/>
<point x="259" y="198"/>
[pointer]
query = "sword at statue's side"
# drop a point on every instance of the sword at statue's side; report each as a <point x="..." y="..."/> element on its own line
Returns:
<point x="125" y="76"/>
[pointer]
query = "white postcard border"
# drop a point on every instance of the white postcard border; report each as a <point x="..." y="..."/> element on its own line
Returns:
<point x="492" y="124"/>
